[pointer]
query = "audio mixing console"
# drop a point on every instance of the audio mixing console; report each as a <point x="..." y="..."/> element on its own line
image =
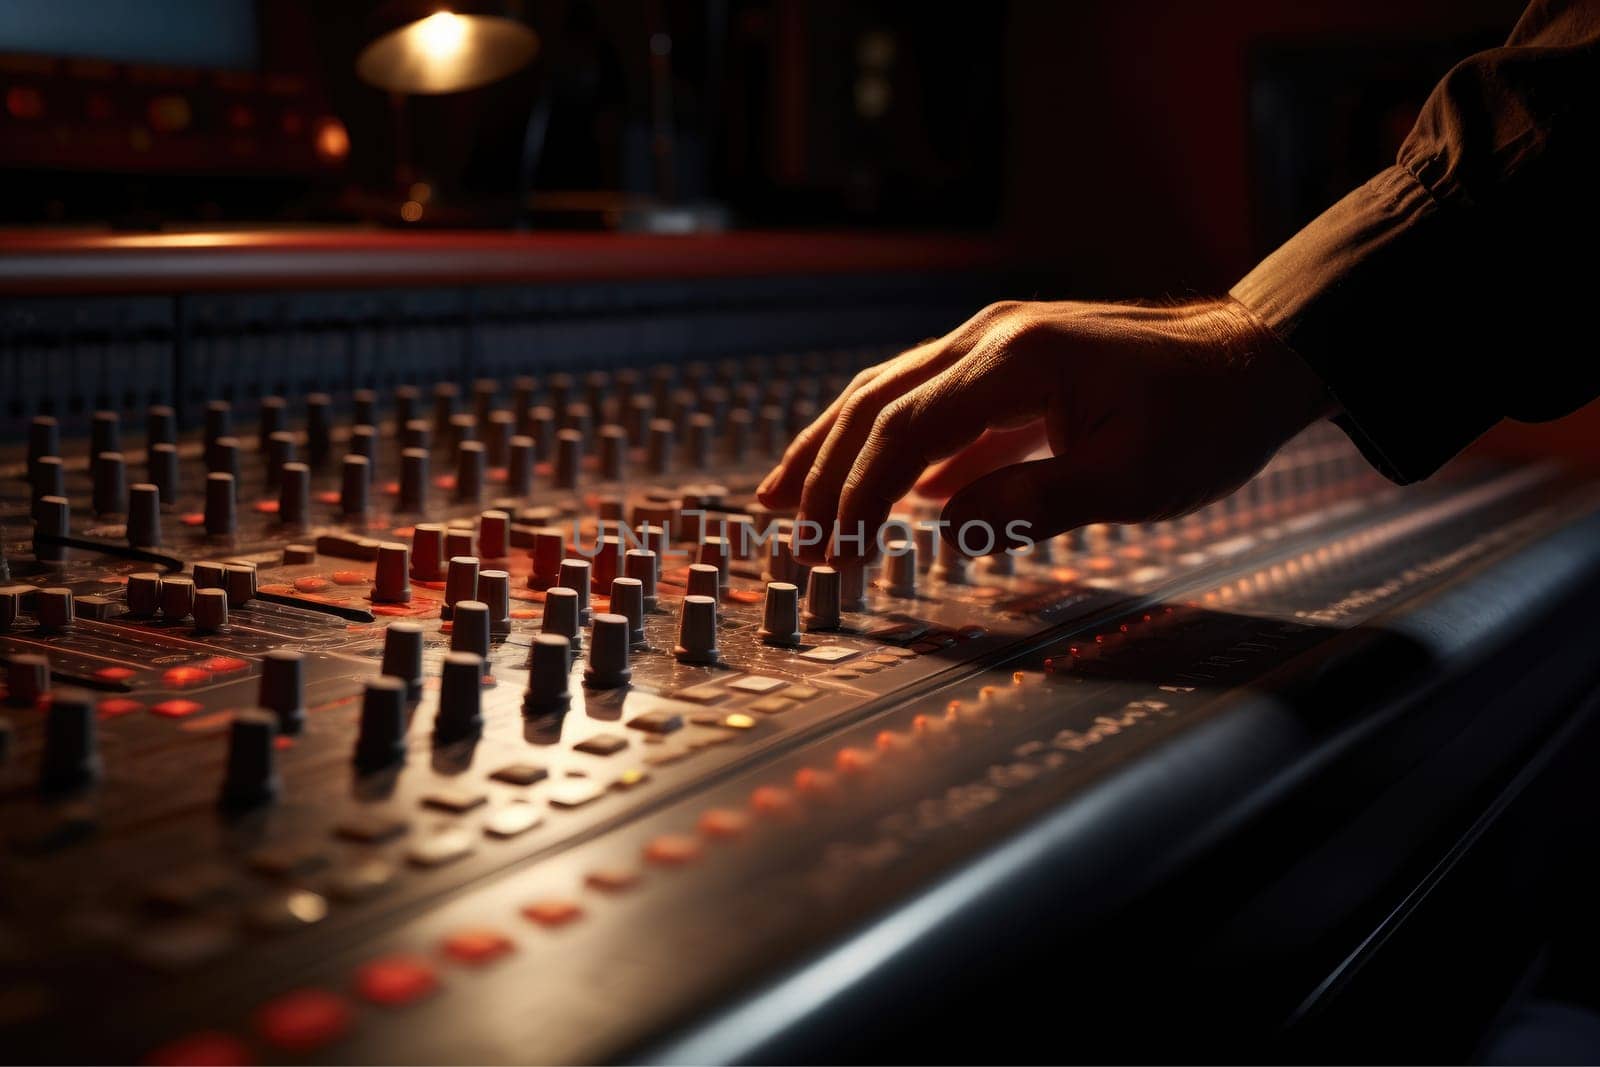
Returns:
<point x="484" y="724"/>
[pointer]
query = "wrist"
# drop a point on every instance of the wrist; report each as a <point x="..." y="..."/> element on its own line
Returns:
<point x="1298" y="395"/>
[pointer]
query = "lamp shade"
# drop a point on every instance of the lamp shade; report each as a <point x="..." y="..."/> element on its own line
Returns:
<point x="446" y="52"/>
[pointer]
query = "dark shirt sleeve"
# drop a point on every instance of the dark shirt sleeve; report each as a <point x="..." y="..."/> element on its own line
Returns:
<point x="1461" y="285"/>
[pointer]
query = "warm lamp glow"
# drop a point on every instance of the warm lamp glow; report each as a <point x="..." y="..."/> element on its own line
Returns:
<point x="446" y="52"/>
<point x="442" y="34"/>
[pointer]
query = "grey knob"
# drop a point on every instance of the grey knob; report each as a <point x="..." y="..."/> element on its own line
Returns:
<point x="414" y="481"/>
<point x="416" y="433"/>
<point x="294" y="494"/>
<point x="736" y="441"/>
<point x="697" y="632"/>
<point x="569" y="459"/>
<point x="658" y="446"/>
<point x="460" y="713"/>
<point x="541" y="426"/>
<point x="459" y="543"/>
<point x="71" y="758"/>
<point x="160" y="425"/>
<point x="105" y="433"/>
<point x="714" y="552"/>
<point x="381" y="741"/>
<point x="270" y="419"/>
<point x="251" y="778"/>
<point x="223" y="455"/>
<point x="609" y="641"/>
<point x="697" y="449"/>
<point x="392" y="577"/>
<point x="218" y="421"/>
<point x="282" y="448"/>
<point x="402" y="656"/>
<point x="461" y="581"/>
<point x="822" y="599"/>
<point x="282" y="689"/>
<point x="561" y="613"/>
<point x="494" y="535"/>
<point x="177" y="596"/>
<point x="110" y="477"/>
<point x="444" y="406"/>
<point x="613" y="452"/>
<point x="239" y="579"/>
<point x="497" y="430"/>
<point x="494" y="590"/>
<point x="144" y="594"/>
<point x="900" y="567"/>
<point x="927" y="536"/>
<point x="53" y="607"/>
<point x="210" y="610"/>
<point x="469" y="627"/>
<point x="469" y="472"/>
<point x="221" y="505"/>
<point x="407" y="403"/>
<point x="51" y="516"/>
<point x="427" y="551"/>
<point x="355" y="486"/>
<point x="627" y="600"/>
<point x="161" y="468"/>
<point x="607" y="561"/>
<point x="781" y="620"/>
<point x="549" y="549"/>
<point x="640" y="564"/>
<point x="549" y="664"/>
<point x="27" y="679"/>
<point x="705" y="581"/>
<point x="519" y="466"/>
<point x="364" y="442"/>
<point x="575" y="576"/>
<point x="144" y="516"/>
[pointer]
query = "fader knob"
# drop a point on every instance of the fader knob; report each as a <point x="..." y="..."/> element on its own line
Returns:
<point x="381" y="741"/>
<point x="53" y="607"/>
<point x="392" y="575"/>
<point x="282" y="689"/>
<point x="402" y="656"/>
<point x="427" y="551"/>
<point x="239" y="580"/>
<point x="627" y="600"/>
<point x="561" y="613"/>
<point x="575" y="576"/>
<point x="549" y="664"/>
<point x="461" y="581"/>
<point x="210" y="610"/>
<point x="569" y="459"/>
<point x="144" y="516"/>
<point x="780" y="623"/>
<point x="900" y="565"/>
<point x="640" y="564"/>
<point x="294" y="494"/>
<point x="251" y="778"/>
<point x="27" y="679"/>
<point x="161" y="468"/>
<point x="355" y="486"/>
<point x="609" y="641"/>
<point x="221" y="517"/>
<point x="110" y="476"/>
<point x="177" y="596"/>
<point x="697" y="632"/>
<point x="460" y="713"/>
<point x="494" y="535"/>
<point x="494" y="589"/>
<point x="822" y="599"/>
<point x="469" y="627"/>
<point x="144" y="594"/>
<point x="469" y="472"/>
<point x="71" y="757"/>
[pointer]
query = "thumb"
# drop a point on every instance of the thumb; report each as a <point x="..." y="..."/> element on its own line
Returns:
<point x="1031" y="501"/>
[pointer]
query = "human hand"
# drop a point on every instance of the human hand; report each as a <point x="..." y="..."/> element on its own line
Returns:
<point x="1148" y="412"/>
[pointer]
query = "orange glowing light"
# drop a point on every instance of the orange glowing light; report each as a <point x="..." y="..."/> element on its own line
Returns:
<point x="331" y="141"/>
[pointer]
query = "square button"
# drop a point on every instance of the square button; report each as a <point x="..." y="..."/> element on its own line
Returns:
<point x="575" y="792"/>
<point x="370" y="827"/>
<point x="771" y="705"/>
<point x="660" y="721"/>
<point x="708" y="693"/>
<point x="756" y="683"/>
<point x="520" y="774"/>
<point x="455" y="801"/>
<point x="828" y="654"/>
<point x="515" y="818"/>
<point x="801" y="692"/>
<point x="603" y="744"/>
<point x="440" y="849"/>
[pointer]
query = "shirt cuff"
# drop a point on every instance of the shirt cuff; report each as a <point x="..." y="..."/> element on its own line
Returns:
<point x="1353" y="294"/>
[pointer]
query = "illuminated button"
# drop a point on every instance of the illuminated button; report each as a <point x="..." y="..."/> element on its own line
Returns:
<point x="303" y="1021"/>
<point x="772" y="800"/>
<point x="553" y="912"/>
<point x="515" y="818"/>
<point x="888" y="741"/>
<point x="772" y="705"/>
<point x="175" y="709"/>
<point x="854" y="760"/>
<point x="612" y="879"/>
<point x="801" y="693"/>
<point x="477" y="947"/>
<point x="811" y="781"/>
<point x="672" y="850"/>
<point x="440" y="849"/>
<point x="286" y="912"/>
<point x="828" y="654"/>
<point x="605" y="744"/>
<point x="575" y="792"/>
<point x="182" y="677"/>
<point x="117" y="706"/>
<point x="738" y="720"/>
<point x="207" y="1048"/>
<point x="723" y="823"/>
<point x="756" y="683"/>
<point x="659" y="721"/>
<point x="370" y="827"/>
<point x="523" y="774"/>
<point x="115" y="674"/>
<point x="395" y="981"/>
<point x="631" y="778"/>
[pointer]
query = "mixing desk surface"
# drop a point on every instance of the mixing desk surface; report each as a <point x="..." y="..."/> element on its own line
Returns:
<point x="496" y="722"/>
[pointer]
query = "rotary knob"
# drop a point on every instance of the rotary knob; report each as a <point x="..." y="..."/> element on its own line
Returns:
<point x="494" y="533"/>
<point x="144" y="516"/>
<point x="294" y="494"/>
<point x="251" y="778"/>
<point x="494" y="590"/>
<point x="627" y="600"/>
<point x="780" y="623"/>
<point x="71" y="758"/>
<point x="697" y="632"/>
<point x="144" y="594"/>
<point x="519" y="466"/>
<point x="470" y="466"/>
<point x="177" y="596"/>
<point x="427" y="551"/>
<point x="460" y="714"/>
<point x="469" y="627"/>
<point x="27" y="679"/>
<point x="161" y="468"/>
<point x="54" y="609"/>
<point x="392" y="576"/>
<point x="110" y="476"/>
<point x="609" y="641"/>
<point x="900" y="564"/>
<point x="210" y="610"/>
<point x="549" y="664"/>
<point x="549" y="549"/>
<point x="822" y="599"/>
<point x="282" y="689"/>
<point x="640" y="564"/>
<point x="414" y="480"/>
<point x="704" y="581"/>
<point x="355" y="486"/>
<point x="575" y="576"/>
<point x="569" y="458"/>
<point x="221" y="519"/>
<point x="402" y="656"/>
<point x="381" y="741"/>
<point x="461" y="582"/>
<point x="561" y="613"/>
